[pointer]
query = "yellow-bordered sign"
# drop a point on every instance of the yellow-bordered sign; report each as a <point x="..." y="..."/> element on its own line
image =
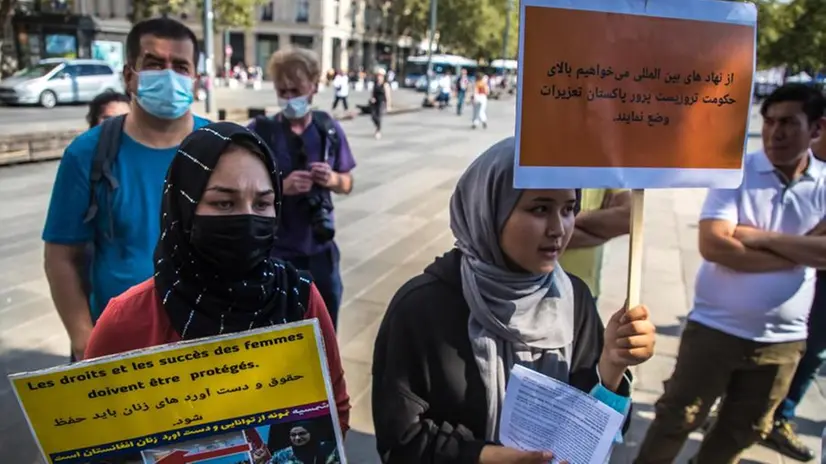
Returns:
<point x="177" y="392"/>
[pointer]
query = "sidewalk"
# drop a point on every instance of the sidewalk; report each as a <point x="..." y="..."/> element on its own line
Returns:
<point x="670" y="265"/>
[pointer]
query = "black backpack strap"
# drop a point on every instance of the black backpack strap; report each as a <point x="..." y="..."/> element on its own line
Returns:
<point x="105" y="155"/>
<point x="331" y="142"/>
<point x="264" y="128"/>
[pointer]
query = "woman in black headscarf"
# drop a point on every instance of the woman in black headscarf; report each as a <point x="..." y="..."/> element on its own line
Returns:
<point x="306" y="447"/>
<point x="213" y="270"/>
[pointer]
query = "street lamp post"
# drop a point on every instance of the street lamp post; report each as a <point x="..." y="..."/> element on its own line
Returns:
<point x="434" y="5"/>
<point x="506" y="34"/>
<point x="209" y="56"/>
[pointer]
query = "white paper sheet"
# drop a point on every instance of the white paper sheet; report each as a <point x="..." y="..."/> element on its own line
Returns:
<point x="544" y="414"/>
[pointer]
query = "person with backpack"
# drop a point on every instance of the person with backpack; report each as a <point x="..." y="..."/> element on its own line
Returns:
<point x="316" y="160"/>
<point x="104" y="216"/>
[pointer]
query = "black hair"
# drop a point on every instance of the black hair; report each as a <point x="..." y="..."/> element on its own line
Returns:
<point x="164" y="28"/>
<point x="812" y="100"/>
<point x="98" y="103"/>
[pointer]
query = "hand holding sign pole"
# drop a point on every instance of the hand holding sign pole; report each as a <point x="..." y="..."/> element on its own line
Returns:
<point x="633" y="95"/>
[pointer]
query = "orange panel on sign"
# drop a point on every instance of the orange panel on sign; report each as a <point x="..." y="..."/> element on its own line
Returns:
<point x="619" y="90"/>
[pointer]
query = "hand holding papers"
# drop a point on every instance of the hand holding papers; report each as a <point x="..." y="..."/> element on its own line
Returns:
<point x="541" y="413"/>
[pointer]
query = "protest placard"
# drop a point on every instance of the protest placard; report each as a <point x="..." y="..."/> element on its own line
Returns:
<point x="633" y="94"/>
<point x="252" y="397"/>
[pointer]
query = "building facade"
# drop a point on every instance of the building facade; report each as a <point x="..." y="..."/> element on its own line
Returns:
<point x="346" y="34"/>
<point x="69" y="29"/>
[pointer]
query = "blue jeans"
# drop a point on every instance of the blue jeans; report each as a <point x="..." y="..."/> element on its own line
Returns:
<point x="460" y="101"/>
<point x="813" y="358"/>
<point x="324" y="268"/>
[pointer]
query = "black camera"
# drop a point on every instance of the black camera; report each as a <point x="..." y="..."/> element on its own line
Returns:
<point x="321" y="218"/>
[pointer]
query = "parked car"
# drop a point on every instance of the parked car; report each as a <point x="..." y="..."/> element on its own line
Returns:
<point x="58" y="80"/>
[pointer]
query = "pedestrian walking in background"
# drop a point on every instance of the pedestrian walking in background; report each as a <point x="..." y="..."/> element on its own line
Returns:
<point x="481" y="91"/>
<point x="747" y="329"/>
<point x="462" y="86"/>
<point x="605" y="214"/>
<point x="341" y="86"/>
<point x="107" y="105"/>
<point x="315" y="158"/>
<point x="213" y="273"/>
<point x="445" y="88"/>
<point x="451" y="335"/>
<point x="117" y="228"/>
<point x="379" y="101"/>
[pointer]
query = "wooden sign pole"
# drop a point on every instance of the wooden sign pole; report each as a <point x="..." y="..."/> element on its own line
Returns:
<point x="635" y="248"/>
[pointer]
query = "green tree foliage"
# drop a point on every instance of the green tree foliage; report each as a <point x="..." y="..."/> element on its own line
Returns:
<point x="228" y="13"/>
<point x="474" y="28"/>
<point x="800" y="28"/>
<point x="791" y="33"/>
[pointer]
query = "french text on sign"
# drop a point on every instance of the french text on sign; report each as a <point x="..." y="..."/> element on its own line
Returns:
<point x="172" y="394"/>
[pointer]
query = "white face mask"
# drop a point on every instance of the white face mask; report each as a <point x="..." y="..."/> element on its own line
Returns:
<point x="295" y="108"/>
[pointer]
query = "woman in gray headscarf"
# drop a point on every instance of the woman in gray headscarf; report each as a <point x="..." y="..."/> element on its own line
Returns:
<point x="452" y="334"/>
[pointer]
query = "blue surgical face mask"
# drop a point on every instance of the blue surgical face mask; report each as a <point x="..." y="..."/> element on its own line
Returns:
<point x="164" y="93"/>
<point x="295" y="108"/>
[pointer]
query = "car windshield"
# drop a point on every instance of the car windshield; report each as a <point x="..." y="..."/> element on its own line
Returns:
<point x="36" y="71"/>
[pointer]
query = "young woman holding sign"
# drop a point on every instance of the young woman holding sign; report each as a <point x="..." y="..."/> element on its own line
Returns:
<point x="213" y="270"/>
<point x="452" y="334"/>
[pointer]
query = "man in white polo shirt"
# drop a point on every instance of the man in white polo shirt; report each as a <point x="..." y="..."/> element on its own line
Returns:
<point x="747" y="329"/>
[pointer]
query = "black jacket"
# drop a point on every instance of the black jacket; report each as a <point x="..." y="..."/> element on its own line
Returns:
<point x="429" y="402"/>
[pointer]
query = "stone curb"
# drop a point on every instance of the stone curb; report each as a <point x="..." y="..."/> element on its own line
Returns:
<point x="44" y="146"/>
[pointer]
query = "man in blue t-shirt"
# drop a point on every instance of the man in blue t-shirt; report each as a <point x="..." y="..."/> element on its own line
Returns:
<point x="161" y="64"/>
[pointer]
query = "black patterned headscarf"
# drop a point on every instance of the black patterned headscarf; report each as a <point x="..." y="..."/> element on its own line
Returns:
<point x="200" y="299"/>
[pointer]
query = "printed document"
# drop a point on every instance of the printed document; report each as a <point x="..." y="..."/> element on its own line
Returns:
<point x="544" y="414"/>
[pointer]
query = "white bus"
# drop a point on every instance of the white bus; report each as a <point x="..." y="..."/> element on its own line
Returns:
<point x="498" y="65"/>
<point x="415" y="71"/>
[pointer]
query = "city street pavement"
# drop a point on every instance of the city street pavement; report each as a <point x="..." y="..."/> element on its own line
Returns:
<point x="26" y="119"/>
<point x="392" y="226"/>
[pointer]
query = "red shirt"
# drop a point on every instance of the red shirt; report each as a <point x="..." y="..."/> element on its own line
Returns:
<point x="136" y="319"/>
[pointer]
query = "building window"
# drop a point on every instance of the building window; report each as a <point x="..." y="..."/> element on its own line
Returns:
<point x="354" y="9"/>
<point x="337" y="11"/>
<point x="302" y="41"/>
<point x="302" y="14"/>
<point x="367" y="18"/>
<point x="267" y="11"/>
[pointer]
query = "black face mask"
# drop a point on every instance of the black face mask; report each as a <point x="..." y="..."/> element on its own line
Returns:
<point x="236" y="243"/>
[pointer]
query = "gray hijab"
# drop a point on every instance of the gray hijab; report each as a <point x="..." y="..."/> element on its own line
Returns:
<point x="515" y="318"/>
